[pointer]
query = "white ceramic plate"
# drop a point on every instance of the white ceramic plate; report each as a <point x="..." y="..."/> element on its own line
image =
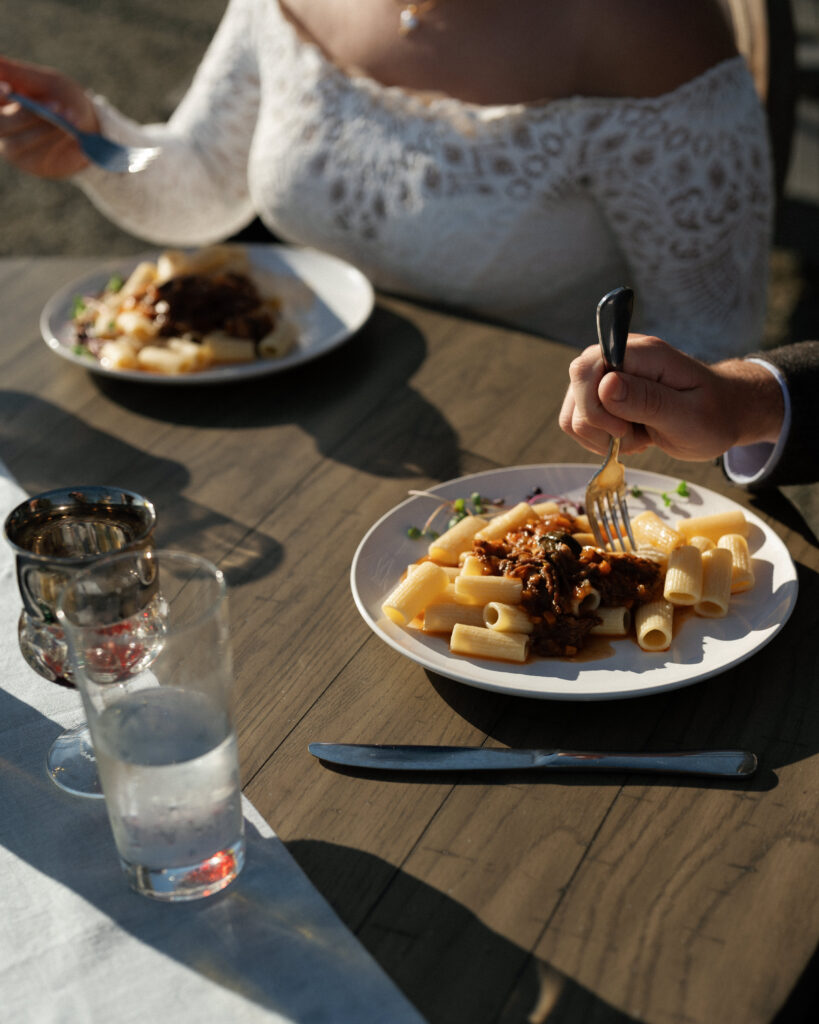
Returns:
<point x="339" y="301"/>
<point x="700" y="649"/>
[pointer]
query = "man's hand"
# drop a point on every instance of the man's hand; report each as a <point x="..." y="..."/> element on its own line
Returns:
<point x="666" y="398"/>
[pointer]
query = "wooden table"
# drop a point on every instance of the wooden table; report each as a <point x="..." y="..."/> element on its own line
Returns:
<point x="488" y="899"/>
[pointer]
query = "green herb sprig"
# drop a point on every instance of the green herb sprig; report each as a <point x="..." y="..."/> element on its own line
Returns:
<point x="458" y="509"/>
<point x="667" y="499"/>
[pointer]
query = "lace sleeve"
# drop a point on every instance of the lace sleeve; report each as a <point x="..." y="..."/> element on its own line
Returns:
<point x="684" y="182"/>
<point x="196" y="191"/>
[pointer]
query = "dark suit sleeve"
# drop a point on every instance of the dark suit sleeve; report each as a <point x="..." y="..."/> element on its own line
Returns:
<point x="799" y="365"/>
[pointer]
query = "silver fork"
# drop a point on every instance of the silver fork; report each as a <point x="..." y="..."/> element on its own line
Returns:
<point x="606" y="493"/>
<point x="106" y="154"/>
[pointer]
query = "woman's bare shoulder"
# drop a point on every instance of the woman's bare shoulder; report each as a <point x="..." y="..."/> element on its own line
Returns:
<point x="646" y="48"/>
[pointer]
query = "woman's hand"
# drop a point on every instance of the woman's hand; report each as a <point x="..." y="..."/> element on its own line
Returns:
<point x="666" y="398"/>
<point x="28" y="142"/>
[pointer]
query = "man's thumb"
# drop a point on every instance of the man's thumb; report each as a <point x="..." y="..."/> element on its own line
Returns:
<point x="638" y="400"/>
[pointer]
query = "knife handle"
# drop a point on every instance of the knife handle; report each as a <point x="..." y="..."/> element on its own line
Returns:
<point x="730" y="763"/>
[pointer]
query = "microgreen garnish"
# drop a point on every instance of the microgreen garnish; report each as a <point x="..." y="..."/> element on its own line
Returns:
<point x="457" y="508"/>
<point x="681" y="489"/>
<point x="114" y="283"/>
<point x="475" y="505"/>
<point x="77" y="305"/>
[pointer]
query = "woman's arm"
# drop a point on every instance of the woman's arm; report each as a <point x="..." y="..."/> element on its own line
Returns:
<point x="196" y="191"/>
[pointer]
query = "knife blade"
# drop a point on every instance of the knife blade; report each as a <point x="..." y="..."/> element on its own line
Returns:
<point x="386" y="757"/>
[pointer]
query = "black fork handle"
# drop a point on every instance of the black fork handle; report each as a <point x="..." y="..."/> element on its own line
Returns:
<point x="613" y="320"/>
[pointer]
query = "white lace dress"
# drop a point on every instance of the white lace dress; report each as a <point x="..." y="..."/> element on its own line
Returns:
<point x="526" y="212"/>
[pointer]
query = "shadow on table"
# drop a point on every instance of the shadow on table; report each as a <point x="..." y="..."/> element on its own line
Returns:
<point x="355" y="401"/>
<point x="423" y="939"/>
<point x="181" y="524"/>
<point x="266" y="938"/>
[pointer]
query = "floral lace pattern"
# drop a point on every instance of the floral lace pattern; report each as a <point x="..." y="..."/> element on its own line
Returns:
<point x="524" y="212"/>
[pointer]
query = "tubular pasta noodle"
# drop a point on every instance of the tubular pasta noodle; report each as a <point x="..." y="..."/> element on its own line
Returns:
<point x="414" y="593"/>
<point x="585" y="540"/>
<point x="140" y="277"/>
<point x="585" y="599"/>
<point x="119" y="355"/>
<point x="506" y="521"/>
<point x="717" y="566"/>
<point x="683" y="577"/>
<point x="193" y="358"/>
<point x="452" y="543"/>
<point x="702" y="543"/>
<point x="714" y="526"/>
<point x="742" y="573"/>
<point x="472" y="566"/>
<point x="488" y="643"/>
<point x="218" y="347"/>
<point x="652" y="532"/>
<point x="279" y="341"/>
<point x="614" y="621"/>
<point x="506" y="618"/>
<point x="160" y="360"/>
<point x="441" y="617"/>
<point x="451" y="570"/>
<point x="654" y="625"/>
<point x="137" y="325"/>
<point x="546" y="508"/>
<point x="483" y="589"/>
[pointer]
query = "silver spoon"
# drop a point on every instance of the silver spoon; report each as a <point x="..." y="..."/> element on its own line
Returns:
<point x="111" y="156"/>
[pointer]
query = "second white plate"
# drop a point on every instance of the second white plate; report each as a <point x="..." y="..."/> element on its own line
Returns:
<point x="338" y="302"/>
<point x="700" y="649"/>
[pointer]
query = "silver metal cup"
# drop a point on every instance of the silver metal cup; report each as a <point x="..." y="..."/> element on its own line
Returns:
<point x="53" y="535"/>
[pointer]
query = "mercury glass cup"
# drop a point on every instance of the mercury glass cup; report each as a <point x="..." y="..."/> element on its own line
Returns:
<point x="160" y="717"/>
<point x="53" y="535"/>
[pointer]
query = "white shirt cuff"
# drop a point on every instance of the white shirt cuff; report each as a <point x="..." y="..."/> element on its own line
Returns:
<point x="750" y="464"/>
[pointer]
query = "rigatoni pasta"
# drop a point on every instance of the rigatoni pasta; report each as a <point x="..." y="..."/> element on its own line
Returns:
<point x="441" y="617"/>
<point x="448" y="548"/>
<point x="742" y="573"/>
<point x="524" y="582"/>
<point x="489" y="643"/>
<point x="414" y="593"/>
<point x="717" y="566"/>
<point x="683" y="576"/>
<point x="650" y="531"/>
<point x="714" y="526"/>
<point x="211" y="298"/>
<point x="654" y="624"/>
<point x="506" y="618"/>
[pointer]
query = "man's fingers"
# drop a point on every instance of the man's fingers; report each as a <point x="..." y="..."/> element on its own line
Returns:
<point x="644" y="401"/>
<point x="589" y="416"/>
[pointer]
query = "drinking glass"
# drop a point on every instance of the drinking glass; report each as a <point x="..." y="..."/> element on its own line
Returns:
<point x="159" y="708"/>
<point x="53" y="535"/>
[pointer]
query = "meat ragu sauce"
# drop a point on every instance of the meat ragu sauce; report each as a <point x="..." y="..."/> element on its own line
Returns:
<point x="559" y="576"/>
<point x="195" y="304"/>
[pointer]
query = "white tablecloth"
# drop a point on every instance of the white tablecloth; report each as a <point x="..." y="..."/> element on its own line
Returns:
<point x="76" y="945"/>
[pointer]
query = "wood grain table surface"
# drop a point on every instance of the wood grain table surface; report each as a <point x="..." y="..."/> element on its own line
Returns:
<point x="495" y="898"/>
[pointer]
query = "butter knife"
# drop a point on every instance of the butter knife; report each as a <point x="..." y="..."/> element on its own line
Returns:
<point x="731" y="763"/>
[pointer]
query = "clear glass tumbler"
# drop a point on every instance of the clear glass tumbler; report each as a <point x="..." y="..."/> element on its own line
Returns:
<point x="53" y="535"/>
<point x="158" y="704"/>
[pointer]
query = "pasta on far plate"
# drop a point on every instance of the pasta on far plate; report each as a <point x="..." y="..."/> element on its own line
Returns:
<point x="184" y="313"/>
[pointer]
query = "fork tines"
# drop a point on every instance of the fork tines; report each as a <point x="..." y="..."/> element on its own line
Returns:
<point x="609" y="520"/>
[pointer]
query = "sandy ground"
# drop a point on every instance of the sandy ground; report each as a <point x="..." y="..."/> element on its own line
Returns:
<point x="141" y="54"/>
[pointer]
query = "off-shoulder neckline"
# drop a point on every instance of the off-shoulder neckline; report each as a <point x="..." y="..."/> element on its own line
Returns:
<point x="430" y="101"/>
